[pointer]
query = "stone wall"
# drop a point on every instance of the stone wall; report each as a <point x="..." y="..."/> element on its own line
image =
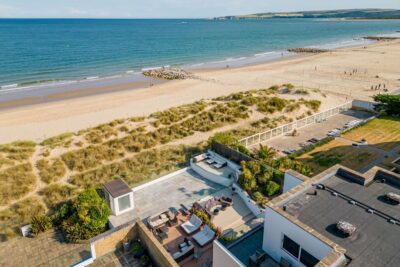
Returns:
<point x="112" y="240"/>
<point x="157" y="252"/>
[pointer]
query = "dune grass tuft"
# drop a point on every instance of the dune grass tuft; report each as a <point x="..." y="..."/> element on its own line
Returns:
<point x="15" y="182"/>
<point x="51" y="171"/>
<point x="17" y="215"/>
<point x="55" y="194"/>
<point x="140" y="167"/>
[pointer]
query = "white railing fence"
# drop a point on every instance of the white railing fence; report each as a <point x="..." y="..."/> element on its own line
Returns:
<point x="259" y="138"/>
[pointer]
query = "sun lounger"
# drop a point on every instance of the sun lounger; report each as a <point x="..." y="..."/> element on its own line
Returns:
<point x="200" y="158"/>
<point x="192" y="225"/>
<point x="219" y="164"/>
<point x="204" y="237"/>
<point x="210" y="161"/>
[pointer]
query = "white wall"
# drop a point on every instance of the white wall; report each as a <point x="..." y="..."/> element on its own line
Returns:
<point x="115" y="206"/>
<point x="363" y="104"/>
<point x="276" y="225"/>
<point x="250" y="203"/>
<point x="211" y="176"/>
<point x="290" y="181"/>
<point x="223" y="258"/>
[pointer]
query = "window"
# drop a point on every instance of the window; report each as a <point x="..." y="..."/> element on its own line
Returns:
<point x="124" y="203"/>
<point x="290" y="246"/>
<point x="307" y="259"/>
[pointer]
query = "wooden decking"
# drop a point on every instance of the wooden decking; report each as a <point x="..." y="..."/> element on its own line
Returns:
<point x="177" y="236"/>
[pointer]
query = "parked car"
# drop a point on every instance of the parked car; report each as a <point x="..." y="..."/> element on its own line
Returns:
<point x="289" y="151"/>
<point x="313" y="140"/>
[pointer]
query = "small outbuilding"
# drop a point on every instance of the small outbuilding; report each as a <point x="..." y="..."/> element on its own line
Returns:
<point x="119" y="196"/>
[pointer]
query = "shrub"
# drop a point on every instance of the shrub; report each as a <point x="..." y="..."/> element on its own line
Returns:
<point x="40" y="224"/>
<point x="271" y="189"/>
<point x="313" y="104"/>
<point x="302" y="92"/>
<point x="388" y="103"/>
<point x="89" y="216"/>
<point x="246" y="179"/>
<point x="17" y="215"/>
<point x="228" y="238"/>
<point x="203" y="216"/>
<point x="257" y="196"/>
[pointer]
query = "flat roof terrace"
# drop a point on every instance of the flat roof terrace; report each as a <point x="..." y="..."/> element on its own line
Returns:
<point x="376" y="241"/>
<point x="182" y="188"/>
<point x="247" y="245"/>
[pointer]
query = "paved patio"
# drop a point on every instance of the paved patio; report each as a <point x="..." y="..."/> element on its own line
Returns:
<point x="183" y="188"/>
<point x="317" y="130"/>
<point x="48" y="249"/>
<point x="117" y="259"/>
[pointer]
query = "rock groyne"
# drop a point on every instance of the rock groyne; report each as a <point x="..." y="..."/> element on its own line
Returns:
<point x="168" y="74"/>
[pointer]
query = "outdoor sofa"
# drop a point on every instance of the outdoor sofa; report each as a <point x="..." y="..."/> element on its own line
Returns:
<point x="204" y="237"/>
<point x="192" y="225"/>
<point x="157" y="220"/>
<point x="186" y="249"/>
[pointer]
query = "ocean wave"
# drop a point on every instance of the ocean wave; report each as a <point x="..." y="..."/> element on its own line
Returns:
<point x="265" y="54"/>
<point x="9" y="86"/>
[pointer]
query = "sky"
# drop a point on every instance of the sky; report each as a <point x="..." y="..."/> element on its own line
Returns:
<point x="171" y="8"/>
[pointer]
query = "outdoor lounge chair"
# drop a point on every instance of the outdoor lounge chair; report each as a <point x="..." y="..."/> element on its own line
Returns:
<point x="226" y="200"/>
<point x="192" y="225"/>
<point x="219" y="164"/>
<point x="205" y="236"/>
<point x="200" y="157"/>
<point x="210" y="161"/>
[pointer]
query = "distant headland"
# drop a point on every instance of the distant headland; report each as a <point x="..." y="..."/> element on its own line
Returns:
<point x="347" y="14"/>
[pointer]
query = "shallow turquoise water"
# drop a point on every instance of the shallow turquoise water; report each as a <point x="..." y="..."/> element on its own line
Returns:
<point x="39" y="50"/>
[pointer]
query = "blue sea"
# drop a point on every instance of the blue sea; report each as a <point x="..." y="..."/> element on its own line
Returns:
<point x="43" y="50"/>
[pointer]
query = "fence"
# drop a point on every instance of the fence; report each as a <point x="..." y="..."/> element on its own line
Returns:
<point x="281" y="130"/>
<point x="229" y="153"/>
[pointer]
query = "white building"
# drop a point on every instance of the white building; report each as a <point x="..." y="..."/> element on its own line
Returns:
<point x="301" y="226"/>
<point x="120" y="199"/>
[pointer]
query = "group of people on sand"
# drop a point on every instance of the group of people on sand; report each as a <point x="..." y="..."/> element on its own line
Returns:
<point x="352" y="72"/>
<point x="379" y="87"/>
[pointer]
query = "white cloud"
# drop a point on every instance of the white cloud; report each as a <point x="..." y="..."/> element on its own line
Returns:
<point x="76" y="11"/>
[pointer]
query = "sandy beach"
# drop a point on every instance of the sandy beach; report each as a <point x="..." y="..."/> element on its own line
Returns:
<point x="347" y="73"/>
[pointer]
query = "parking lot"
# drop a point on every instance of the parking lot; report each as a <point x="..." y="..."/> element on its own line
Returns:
<point x="317" y="130"/>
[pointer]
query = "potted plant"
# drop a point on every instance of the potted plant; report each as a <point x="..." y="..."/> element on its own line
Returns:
<point x="125" y="244"/>
<point x="138" y="250"/>
<point x="144" y="261"/>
